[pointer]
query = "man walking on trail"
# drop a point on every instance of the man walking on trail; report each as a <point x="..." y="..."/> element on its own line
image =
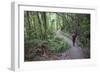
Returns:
<point x="74" y="35"/>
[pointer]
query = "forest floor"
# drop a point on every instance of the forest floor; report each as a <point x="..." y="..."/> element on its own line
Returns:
<point x="74" y="52"/>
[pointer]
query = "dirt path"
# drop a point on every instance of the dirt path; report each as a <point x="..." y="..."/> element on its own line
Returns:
<point x="74" y="52"/>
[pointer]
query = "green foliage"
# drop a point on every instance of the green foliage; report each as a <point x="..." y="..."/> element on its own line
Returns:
<point x="32" y="43"/>
<point x="41" y="26"/>
<point x="84" y="37"/>
<point x="57" y="45"/>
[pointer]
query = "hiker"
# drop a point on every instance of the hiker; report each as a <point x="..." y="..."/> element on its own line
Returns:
<point x="74" y="35"/>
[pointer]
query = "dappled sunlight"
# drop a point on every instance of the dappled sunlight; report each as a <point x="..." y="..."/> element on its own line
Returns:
<point x="74" y="52"/>
<point x="60" y="34"/>
<point x="56" y="35"/>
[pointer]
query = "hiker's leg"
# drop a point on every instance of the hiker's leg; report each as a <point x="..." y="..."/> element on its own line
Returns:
<point x="73" y="42"/>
